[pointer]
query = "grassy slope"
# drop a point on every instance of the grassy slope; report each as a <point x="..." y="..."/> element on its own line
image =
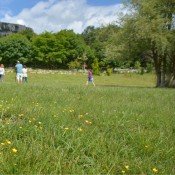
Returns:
<point x="57" y="125"/>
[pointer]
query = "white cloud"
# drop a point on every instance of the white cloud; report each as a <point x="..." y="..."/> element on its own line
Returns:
<point x="54" y="15"/>
<point x="20" y="21"/>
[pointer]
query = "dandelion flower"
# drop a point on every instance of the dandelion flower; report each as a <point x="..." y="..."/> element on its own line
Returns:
<point x="8" y="142"/>
<point x="14" y="150"/>
<point x="20" y="115"/>
<point x="88" y="122"/>
<point x="123" y="171"/>
<point x="80" y="129"/>
<point x="127" y="167"/>
<point x="80" y="116"/>
<point x="155" y="170"/>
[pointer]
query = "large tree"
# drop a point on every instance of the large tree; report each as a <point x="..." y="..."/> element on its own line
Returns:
<point x="54" y="50"/>
<point x="154" y="22"/>
<point x="15" y="47"/>
<point x="99" y="40"/>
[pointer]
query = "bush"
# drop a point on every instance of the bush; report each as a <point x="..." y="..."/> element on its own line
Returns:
<point x="74" y="65"/>
<point x="95" y="67"/>
<point x="149" y="67"/>
<point x="109" y="71"/>
<point x="137" y="65"/>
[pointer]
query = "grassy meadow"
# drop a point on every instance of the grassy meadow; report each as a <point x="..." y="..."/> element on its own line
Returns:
<point x="55" y="124"/>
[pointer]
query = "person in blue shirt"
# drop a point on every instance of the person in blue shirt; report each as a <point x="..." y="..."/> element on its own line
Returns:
<point x="19" y="72"/>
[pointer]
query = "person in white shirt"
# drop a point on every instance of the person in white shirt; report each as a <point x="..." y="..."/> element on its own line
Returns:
<point x="2" y="72"/>
<point x="24" y="74"/>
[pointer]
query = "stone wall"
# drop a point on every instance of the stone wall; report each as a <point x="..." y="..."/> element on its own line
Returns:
<point x="8" y="28"/>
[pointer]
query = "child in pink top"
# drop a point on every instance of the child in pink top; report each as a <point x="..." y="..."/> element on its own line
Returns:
<point x="90" y="78"/>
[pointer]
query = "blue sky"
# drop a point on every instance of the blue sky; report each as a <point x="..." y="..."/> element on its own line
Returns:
<point x="15" y="6"/>
<point x="103" y="2"/>
<point x="60" y="14"/>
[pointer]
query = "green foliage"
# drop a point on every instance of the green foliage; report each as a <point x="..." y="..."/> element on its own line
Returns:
<point x="74" y="64"/>
<point x="147" y="31"/>
<point x="57" y="50"/>
<point x="137" y="65"/>
<point x="98" y="40"/>
<point x="149" y="67"/>
<point x="95" y="67"/>
<point x="109" y="71"/>
<point x="28" y="33"/>
<point x="15" y="47"/>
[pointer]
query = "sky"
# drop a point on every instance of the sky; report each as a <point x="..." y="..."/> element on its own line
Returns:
<point x="55" y="15"/>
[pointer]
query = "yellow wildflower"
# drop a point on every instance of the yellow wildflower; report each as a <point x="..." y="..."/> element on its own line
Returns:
<point x="127" y="167"/>
<point x="88" y="122"/>
<point x="20" y="115"/>
<point x="80" y="116"/>
<point x="80" y="129"/>
<point x="123" y="171"/>
<point x="14" y="150"/>
<point x="8" y="142"/>
<point x="2" y="143"/>
<point x="71" y="110"/>
<point x="155" y="170"/>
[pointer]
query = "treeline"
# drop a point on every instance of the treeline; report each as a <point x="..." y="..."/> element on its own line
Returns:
<point x="98" y="48"/>
<point x="64" y="49"/>
<point x="145" y="39"/>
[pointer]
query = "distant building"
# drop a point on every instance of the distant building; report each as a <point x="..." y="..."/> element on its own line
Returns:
<point x="8" y="28"/>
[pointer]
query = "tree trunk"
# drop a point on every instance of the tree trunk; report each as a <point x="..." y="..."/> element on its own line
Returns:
<point x="158" y="83"/>
<point x="163" y="73"/>
<point x="172" y="83"/>
<point x="157" y="65"/>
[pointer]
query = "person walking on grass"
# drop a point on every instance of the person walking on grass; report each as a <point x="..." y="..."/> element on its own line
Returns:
<point x="19" y="74"/>
<point x="2" y="72"/>
<point x="24" y="74"/>
<point x="90" y="78"/>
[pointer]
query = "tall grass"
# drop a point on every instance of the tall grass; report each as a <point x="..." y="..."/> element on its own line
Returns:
<point x="57" y="125"/>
